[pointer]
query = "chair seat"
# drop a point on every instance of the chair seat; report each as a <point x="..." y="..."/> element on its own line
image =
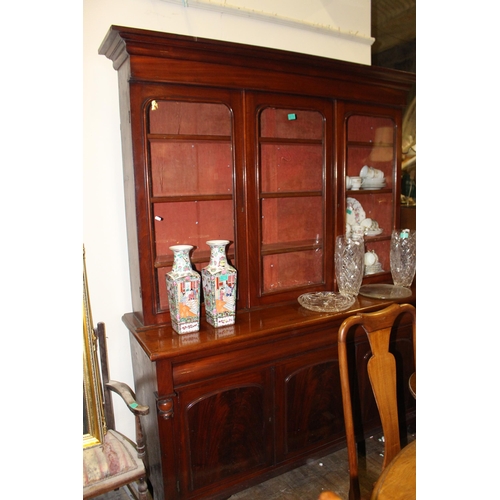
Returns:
<point x="110" y="465"/>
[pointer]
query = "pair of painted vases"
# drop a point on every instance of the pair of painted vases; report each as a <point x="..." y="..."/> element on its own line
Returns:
<point x="184" y="284"/>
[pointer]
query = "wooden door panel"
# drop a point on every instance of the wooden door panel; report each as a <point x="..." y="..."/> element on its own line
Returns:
<point x="226" y="425"/>
<point x="309" y="403"/>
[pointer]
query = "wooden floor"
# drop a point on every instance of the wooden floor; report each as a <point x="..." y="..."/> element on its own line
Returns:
<point x="307" y="482"/>
<point x="329" y="473"/>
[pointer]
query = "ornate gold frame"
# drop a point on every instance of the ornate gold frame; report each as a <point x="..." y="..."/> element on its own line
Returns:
<point x="94" y="425"/>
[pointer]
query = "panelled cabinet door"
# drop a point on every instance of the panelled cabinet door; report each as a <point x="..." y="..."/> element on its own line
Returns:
<point x="226" y="426"/>
<point x="308" y="403"/>
<point x="290" y="196"/>
<point x="371" y="143"/>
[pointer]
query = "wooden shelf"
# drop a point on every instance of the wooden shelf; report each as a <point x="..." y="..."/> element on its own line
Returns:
<point x="290" y="194"/>
<point x="292" y="246"/>
<point x="182" y="198"/>
<point x="188" y="138"/>
<point x="280" y="140"/>
<point x="197" y="257"/>
<point x="355" y="192"/>
<point x="364" y="144"/>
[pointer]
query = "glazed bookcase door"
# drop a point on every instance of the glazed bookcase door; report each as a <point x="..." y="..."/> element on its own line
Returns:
<point x="290" y="202"/>
<point x="189" y="183"/>
<point x="370" y="138"/>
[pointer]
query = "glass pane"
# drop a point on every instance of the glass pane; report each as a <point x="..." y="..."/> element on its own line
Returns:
<point x="192" y="223"/>
<point x="189" y="118"/>
<point x="291" y="167"/>
<point x="291" y="124"/>
<point x="379" y="207"/>
<point x="286" y="220"/>
<point x="381" y="158"/>
<point x="191" y="168"/>
<point x="293" y="269"/>
<point x="370" y="129"/>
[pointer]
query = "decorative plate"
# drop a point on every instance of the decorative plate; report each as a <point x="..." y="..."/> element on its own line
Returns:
<point x="326" y="301"/>
<point x="375" y="183"/>
<point x="375" y="269"/>
<point x="373" y="232"/>
<point x="354" y="211"/>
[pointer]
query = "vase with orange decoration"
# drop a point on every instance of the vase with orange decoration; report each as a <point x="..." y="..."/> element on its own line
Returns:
<point x="183" y="286"/>
<point x="219" y="286"/>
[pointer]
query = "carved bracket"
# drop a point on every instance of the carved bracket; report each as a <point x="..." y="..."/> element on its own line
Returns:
<point x="165" y="407"/>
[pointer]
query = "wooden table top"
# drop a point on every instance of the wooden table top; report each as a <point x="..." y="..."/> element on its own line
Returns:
<point x="399" y="479"/>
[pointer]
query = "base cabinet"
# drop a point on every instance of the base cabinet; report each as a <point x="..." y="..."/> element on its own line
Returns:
<point x="235" y="410"/>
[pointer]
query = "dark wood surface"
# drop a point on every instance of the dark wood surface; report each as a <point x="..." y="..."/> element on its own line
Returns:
<point x="252" y="327"/>
<point x="409" y="217"/>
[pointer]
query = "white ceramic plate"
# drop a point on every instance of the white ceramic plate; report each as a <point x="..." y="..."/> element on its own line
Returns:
<point x="377" y="268"/>
<point x="374" y="232"/>
<point x="373" y="185"/>
<point x="354" y="212"/>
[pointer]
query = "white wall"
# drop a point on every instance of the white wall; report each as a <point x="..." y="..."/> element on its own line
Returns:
<point x="104" y="232"/>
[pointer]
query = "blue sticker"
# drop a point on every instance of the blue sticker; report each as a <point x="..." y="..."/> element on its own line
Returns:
<point x="292" y="116"/>
<point x="223" y="277"/>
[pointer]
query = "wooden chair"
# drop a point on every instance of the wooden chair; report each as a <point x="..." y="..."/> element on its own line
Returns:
<point x="382" y="375"/>
<point x="116" y="461"/>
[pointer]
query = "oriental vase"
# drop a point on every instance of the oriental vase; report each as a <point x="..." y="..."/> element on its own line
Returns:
<point x="219" y="286"/>
<point x="183" y="286"/>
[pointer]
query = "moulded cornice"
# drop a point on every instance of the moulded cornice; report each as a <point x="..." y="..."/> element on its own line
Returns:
<point x="114" y="48"/>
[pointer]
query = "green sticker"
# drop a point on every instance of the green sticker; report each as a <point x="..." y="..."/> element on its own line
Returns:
<point x="404" y="234"/>
<point x="292" y="116"/>
<point x="349" y="211"/>
<point x="223" y="277"/>
<point x="133" y="405"/>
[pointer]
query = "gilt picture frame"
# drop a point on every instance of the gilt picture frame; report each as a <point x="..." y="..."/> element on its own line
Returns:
<point x="94" y="425"/>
